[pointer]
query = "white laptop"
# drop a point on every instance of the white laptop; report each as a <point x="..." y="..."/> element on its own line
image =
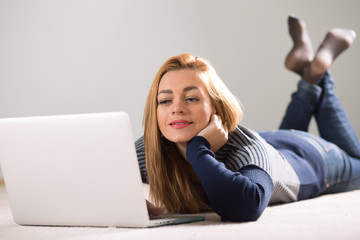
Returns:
<point x="75" y="170"/>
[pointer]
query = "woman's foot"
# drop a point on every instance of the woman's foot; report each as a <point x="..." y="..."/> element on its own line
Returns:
<point x="336" y="41"/>
<point x="302" y="52"/>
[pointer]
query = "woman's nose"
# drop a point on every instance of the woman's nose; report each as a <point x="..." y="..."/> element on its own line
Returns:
<point x="178" y="107"/>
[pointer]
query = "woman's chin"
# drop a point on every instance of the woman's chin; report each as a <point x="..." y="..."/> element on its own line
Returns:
<point x="180" y="140"/>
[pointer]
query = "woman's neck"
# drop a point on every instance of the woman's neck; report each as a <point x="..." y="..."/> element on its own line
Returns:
<point x="182" y="149"/>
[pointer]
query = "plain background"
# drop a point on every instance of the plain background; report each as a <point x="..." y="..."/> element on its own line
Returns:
<point x="82" y="56"/>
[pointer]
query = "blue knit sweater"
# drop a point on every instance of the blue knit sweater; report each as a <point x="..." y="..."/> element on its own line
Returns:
<point x="235" y="196"/>
<point x="250" y="171"/>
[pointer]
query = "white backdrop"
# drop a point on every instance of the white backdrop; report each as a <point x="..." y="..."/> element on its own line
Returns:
<point x="81" y="56"/>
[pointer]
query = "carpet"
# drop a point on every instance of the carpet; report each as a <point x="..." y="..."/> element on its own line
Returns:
<point x="335" y="216"/>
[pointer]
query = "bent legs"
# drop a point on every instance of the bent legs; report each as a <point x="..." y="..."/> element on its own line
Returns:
<point x="315" y="94"/>
<point x="302" y="106"/>
<point x="332" y="121"/>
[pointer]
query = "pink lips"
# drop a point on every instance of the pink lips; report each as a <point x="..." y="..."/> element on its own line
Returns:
<point x="179" y="124"/>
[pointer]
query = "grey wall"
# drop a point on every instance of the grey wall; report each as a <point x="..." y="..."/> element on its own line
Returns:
<point x="79" y="56"/>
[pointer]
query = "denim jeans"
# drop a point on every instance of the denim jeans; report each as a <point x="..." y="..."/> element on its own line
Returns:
<point x="338" y="143"/>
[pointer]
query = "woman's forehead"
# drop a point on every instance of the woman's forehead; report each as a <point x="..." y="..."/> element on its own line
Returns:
<point x="180" y="79"/>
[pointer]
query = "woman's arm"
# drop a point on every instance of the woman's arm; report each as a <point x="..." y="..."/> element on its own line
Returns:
<point x="235" y="196"/>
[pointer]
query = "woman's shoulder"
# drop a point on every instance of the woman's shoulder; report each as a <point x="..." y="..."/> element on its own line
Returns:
<point x="244" y="136"/>
<point x="244" y="147"/>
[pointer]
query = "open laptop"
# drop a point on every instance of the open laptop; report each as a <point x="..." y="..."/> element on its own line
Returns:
<point x="75" y="170"/>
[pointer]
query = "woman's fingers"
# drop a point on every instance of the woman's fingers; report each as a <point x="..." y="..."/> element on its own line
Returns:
<point x="156" y="211"/>
<point x="215" y="133"/>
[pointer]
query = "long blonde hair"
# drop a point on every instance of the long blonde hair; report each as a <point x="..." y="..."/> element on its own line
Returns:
<point x="169" y="174"/>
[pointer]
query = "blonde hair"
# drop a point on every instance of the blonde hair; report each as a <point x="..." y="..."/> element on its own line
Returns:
<point x="169" y="174"/>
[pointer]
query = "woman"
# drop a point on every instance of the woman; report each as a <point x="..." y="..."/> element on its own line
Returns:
<point x="199" y="159"/>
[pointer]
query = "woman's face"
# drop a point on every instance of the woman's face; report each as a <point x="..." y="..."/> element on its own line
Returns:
<point x="184" y="106"/>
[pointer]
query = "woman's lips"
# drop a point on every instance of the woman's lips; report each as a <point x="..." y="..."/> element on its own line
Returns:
<point x="178" y="124"/>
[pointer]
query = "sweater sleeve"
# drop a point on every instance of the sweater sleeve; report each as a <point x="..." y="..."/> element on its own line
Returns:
<point x="140" y="152"/>
<point x="235" y="196"/>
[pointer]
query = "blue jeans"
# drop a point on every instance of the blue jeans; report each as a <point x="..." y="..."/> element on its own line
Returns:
<point x="338" y="143"/>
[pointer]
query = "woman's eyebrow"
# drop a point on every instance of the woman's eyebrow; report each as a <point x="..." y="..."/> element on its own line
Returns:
<point x="165" y="91"/>
<point x="186" y="89"/>
<point x="189" y="88"/>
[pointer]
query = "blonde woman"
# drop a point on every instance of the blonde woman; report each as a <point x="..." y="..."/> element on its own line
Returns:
<point x="197" y="157"/>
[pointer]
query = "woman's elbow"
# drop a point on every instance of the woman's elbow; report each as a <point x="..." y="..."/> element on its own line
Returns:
<point x="242" y="209"/>
<point x="244" y="213"/>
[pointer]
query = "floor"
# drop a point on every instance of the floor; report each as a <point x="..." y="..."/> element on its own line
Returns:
<point x="335" y="216"/>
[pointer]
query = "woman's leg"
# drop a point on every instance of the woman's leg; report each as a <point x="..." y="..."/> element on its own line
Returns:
<point x="315" y="95"/>
<point x="332" y="121"/>
<point x="336" y="41"/>
<point x="302" y="106"/>
<point x="305" y="100"/>
<point x="343" y="170"/>
<point x="302" y="52"/>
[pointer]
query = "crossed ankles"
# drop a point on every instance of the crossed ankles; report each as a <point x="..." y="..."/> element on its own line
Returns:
<point x="301" y="58"/>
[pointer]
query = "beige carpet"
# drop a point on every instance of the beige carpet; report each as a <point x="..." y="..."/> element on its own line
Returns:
<point x="335" y="216"/>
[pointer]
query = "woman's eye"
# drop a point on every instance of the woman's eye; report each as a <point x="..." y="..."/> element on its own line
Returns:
<point x="192" y="99"/>
<point x="163" y="102"/>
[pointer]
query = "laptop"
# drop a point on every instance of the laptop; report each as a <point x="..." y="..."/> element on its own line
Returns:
<point x="75" y="170"/>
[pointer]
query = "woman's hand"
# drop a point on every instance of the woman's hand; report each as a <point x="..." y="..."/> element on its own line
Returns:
<point x="156" y="211"/>
<point x="215" y="133"/>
